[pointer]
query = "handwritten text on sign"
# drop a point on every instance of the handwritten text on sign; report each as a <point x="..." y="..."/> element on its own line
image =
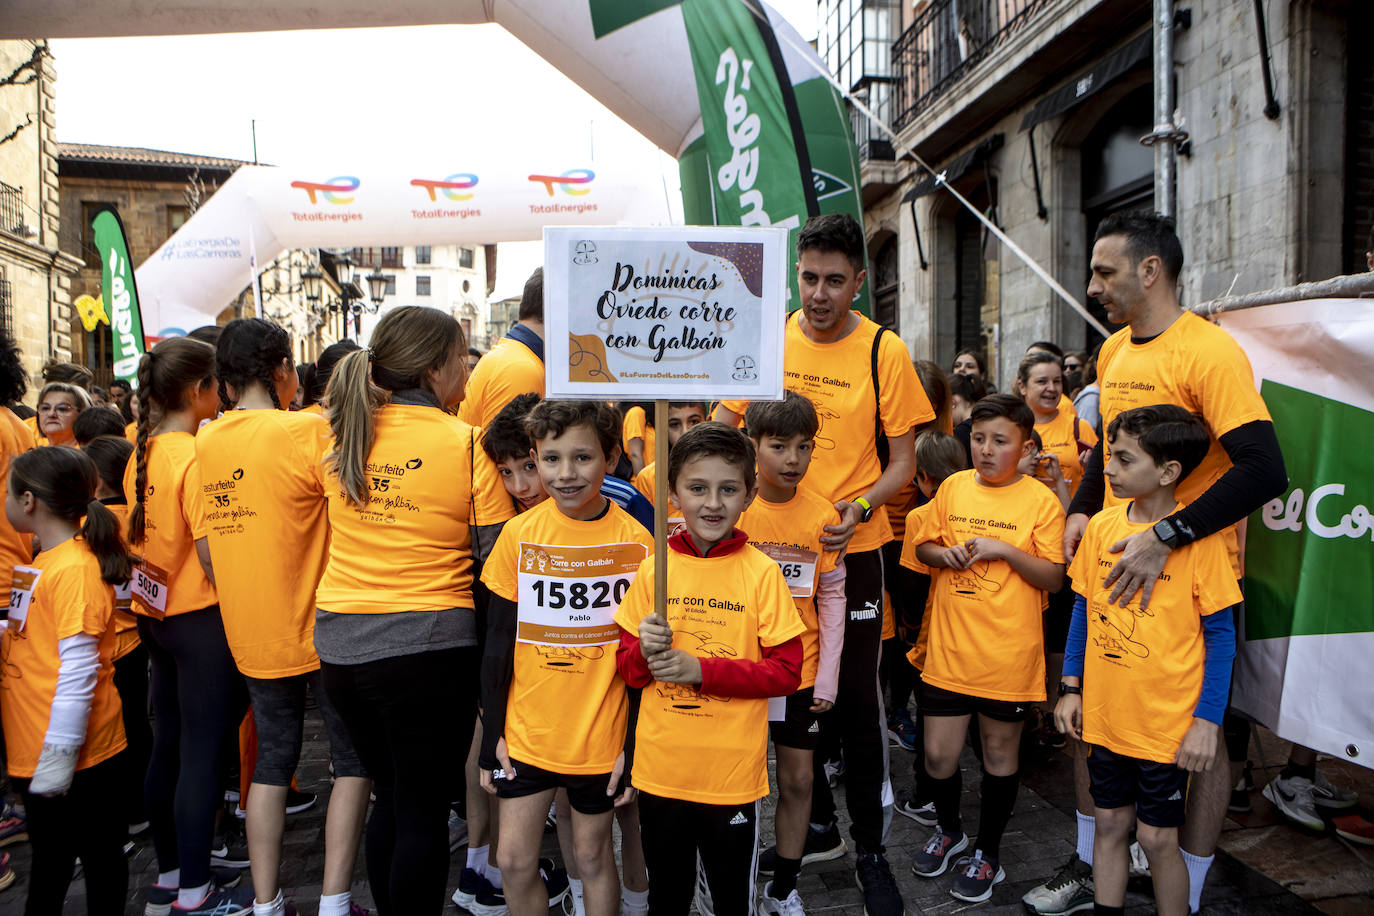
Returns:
<point x="664" y="313"/>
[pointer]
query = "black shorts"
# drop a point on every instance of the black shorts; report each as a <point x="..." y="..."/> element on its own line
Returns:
<point x="279" y="714"/>
<point x="1159" y="791"/>
<point x="936" y="701"/>
<point x="802" y="728"/>
<point x="586" y="794"/>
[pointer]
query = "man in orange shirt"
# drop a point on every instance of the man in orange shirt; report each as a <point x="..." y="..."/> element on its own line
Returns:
<point x="1169" y="355"/>
<point x="866" y="392"/>
<point x="514" y="366"/>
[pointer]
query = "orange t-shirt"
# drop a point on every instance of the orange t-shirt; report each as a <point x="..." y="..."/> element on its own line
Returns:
<point x="1197" y="366"/>
<point x="644" y="483"/>
<point x="697" y="747"/>
<point x="636" y="426"/>
<point x="985" y="630"/>
<point x="126" y="623"/>
<point x="790" y="533"/>
<point x="316" y="409"/>
<point x="131" y="432"/>
<point x="16" y="548"/>
<point x="1057" y="436"/>
<point x="174" y="519"/>
<point x="509" y="370"/>
<point x="567" y="708"/>
<point x="838" y="378"/>
<point x="409" y="548"/>
<point x="1143" y="669"/>
<point x="68" y="598"/>
<point x="268" y="531"/>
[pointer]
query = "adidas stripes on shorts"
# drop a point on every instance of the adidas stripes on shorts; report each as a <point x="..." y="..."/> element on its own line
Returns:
<point x="1158" y="791"/>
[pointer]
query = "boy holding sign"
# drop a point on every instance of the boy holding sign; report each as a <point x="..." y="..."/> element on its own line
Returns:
<point x="554" y="708"/>
<point x="729" y="639"/>
<point x="787" y="524"/>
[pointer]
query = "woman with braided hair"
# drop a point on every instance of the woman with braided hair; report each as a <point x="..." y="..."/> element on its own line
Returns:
<point x="196" y="691"/>
<point x="268" y="533"/>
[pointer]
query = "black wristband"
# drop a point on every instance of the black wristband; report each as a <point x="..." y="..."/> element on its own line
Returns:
<point x="1066" y="689"/>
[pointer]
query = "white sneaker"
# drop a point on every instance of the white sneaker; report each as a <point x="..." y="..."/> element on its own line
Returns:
<point x="792" y="906"/>
<point x="1069" y="891"/>
<point x="1325" y="795"/>
<point x="1294" y="800"/>
<point x="1140" y="864"/>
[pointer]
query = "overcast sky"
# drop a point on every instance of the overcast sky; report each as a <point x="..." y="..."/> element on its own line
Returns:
<point x="377" y="92"/>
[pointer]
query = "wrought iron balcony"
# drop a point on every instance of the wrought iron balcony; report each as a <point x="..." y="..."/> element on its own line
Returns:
<point x="946" y="41"/>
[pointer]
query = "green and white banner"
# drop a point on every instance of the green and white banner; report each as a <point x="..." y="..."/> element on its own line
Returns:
<point x="119" y="293"/>
<point x="1302" y="666"/>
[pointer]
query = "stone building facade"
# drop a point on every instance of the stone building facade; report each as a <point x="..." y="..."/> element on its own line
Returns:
<point x="1034" y="109"/>
<point x="35" y="272"/>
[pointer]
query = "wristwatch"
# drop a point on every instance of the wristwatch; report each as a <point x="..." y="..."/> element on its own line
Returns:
<point x="868" y="509"/>
<point x="1166" y="532"/>
<point x="1066" y="689"/>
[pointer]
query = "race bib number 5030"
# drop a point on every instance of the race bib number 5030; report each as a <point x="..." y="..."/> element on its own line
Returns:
<point x="568" y="596"/>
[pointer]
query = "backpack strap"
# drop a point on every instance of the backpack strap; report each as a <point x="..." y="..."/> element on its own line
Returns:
<point x="879" y="439"/>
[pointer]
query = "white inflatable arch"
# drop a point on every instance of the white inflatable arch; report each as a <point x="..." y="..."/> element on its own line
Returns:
<point x="726" y="86"/>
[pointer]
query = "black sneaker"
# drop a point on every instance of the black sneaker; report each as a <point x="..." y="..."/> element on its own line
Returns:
<point x="922" y="813"/>
<point x="820" y="846"/>
<point x="231" y="846"/>
<point x="936" y="855"/>
<point x="298" y="801"/>
<point x="881" y="897"/>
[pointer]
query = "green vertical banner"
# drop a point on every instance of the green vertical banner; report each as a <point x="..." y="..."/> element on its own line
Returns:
<point x="774" y="150"/>
<point x="119" y="294"/>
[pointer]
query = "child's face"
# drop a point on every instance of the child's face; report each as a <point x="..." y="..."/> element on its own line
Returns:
<point x="521" y="477"/>
<point x="681" y="419"/>
<point x="783" y="460"/>
<point x="572" y="467"/>
<point x="711" y="492"/>
<point x="1131" y="471"/>
<point x="998" y="447"/>
<point x="926" y="484"/>
<point x="1027" y="465"/>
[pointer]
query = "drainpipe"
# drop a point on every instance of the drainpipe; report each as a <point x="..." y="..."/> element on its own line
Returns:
<point x="1166" y="136"/>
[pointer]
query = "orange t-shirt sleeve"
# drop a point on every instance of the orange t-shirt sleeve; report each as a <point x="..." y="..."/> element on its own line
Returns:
<point x="498" y="573"/>
<point x="1083" y="569"/>
<point x="778" y="617"/>
<point x="1047" y="540"/>
<point x="1226" y="391"/>
<point x="1214" y="585"/>
<point x="922" y="525"/>
<point x="644" y="481"/>
<point x="904" y="403"/>
<point x="193" y="502"/>
<point x="490" y="501"/>
<point x="81" y="605"/>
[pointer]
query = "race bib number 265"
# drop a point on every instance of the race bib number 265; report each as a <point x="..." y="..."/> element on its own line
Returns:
<point x="568" y="596"/>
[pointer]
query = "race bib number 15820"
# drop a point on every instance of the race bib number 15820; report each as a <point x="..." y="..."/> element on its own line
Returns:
<point x="568" y="596"/>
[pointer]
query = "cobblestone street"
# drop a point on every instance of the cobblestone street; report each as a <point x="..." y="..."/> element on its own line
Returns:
<point x="1264" y="866"/>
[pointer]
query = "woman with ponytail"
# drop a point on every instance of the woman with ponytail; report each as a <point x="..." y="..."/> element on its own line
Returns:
<point x="61" y="714"/>
<point x="268" y="532"/>
<point x="411" y="498"/>
<point x="197" y="693"/>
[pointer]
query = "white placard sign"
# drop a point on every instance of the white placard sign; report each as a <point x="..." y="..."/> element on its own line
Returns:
<point x="664" y="314"/>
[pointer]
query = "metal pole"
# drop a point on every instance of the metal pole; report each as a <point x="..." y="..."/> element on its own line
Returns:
<point x="1166" y="151"/>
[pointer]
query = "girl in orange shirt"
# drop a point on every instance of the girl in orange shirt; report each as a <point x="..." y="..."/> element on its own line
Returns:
<point x="268" y="533"/>
<point x="111" y="456"/>
<point x="395" y="629"/>
<point x="196" y="691"/>
<point x="63" y="733"/>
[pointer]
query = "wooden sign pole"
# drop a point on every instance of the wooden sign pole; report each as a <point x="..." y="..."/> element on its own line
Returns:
<point x="661" y="508"/>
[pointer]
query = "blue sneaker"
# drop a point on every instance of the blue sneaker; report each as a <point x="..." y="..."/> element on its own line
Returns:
<point x="902" y="729"/>
<point x="220" y="902"/>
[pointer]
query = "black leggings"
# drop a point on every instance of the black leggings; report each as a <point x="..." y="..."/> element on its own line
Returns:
<point x="675" y="832"/>
<point x="131" y="681"/>
<point x="857" y="717"/>
<point x="81" y="823"/>
<point x="411" y="719"/>
<point x="197" y="691"/>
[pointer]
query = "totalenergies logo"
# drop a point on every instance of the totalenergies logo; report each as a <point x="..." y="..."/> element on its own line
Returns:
<point x="573" y="182"/>
<point x="331" y="190"/>
<point x="452" y="186"/>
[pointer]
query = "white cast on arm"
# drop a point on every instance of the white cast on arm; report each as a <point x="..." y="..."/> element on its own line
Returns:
<point x="71" y="710"/>
<point x="830" y="609"/>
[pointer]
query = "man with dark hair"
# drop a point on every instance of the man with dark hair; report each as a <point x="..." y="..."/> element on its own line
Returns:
<point x="1168" y="355"/>
<point x="515" y="365"/>
<point x="834" y="355"/>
